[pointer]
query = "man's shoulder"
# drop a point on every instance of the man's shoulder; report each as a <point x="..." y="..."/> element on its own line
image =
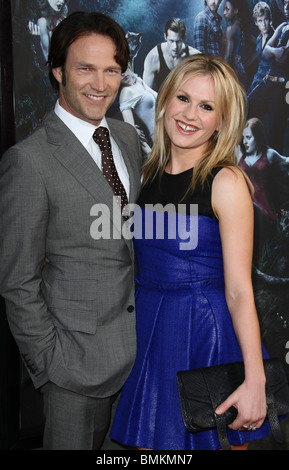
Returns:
<point x="120" y="127"/>
<point x="24" y="152"/>
<point x="192" y="50"/>
<point x="153" y="53"/>
<point x="201" y="16"/>
<point x="37" y="137"/>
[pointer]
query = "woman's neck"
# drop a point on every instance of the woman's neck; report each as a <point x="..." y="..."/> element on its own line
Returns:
<point x="252" y="158"/>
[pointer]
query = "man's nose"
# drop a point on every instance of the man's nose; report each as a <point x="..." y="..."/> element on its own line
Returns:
<point x="98" y="81"/>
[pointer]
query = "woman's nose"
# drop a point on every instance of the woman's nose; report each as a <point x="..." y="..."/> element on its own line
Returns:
<point x="191" y="112"/>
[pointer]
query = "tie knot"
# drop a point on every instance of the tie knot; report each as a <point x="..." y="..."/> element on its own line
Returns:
<point x="101" y="137"/>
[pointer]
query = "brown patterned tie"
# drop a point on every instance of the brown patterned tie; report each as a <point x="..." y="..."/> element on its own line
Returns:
<point x="101" y="137"/>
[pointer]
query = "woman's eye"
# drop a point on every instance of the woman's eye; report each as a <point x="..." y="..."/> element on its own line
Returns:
<point x="207" y="107"/>
<point x="183" y="98"/>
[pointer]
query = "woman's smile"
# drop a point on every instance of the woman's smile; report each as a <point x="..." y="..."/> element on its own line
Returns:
<point x="190" y="118"/>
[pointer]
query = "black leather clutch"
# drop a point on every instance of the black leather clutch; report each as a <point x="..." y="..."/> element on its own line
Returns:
<point x="202" y="390"/>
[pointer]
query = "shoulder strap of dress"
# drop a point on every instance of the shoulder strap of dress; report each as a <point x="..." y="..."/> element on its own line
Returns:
<point x="216" y="170"/>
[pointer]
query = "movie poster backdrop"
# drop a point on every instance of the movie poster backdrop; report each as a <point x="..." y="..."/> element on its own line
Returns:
<point x="265" y="82"/>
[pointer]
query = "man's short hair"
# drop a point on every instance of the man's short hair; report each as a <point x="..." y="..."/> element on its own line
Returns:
<point x="80" y="24"/>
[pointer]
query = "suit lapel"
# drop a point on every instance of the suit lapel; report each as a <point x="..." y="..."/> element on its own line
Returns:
<point x="74" y="157"/>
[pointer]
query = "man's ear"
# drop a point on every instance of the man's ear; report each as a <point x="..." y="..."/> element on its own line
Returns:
<point x="57" y="72"/>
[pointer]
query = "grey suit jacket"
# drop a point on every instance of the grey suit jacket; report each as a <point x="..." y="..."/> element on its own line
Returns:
<point x="73" y="316"/>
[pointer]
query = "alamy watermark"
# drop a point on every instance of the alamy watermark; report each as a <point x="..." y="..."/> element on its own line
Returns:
<point x="155" y="222"/>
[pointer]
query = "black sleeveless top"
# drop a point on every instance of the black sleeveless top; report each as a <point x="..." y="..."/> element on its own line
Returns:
<point x="164" y="69"/>
<point x="172" y="189"/>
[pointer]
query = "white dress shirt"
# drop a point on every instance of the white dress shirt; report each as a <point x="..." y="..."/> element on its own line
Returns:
<point x="84" y="131"/>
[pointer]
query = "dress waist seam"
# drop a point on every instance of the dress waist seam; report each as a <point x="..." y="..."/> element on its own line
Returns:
<point x="186" y="285"/>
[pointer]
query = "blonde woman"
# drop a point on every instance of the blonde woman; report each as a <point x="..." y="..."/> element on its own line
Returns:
<point x="194" y="303"/>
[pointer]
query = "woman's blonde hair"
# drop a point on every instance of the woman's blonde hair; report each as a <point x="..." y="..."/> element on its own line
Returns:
<point x="230" y="106"/>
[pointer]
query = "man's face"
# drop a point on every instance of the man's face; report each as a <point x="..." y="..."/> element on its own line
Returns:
<point x="89" y="83"/>
<point x="263" y="23"/>
<point x="213" y="5"/>
<point x="286" y="9"/>
<point x="174" y="42"/>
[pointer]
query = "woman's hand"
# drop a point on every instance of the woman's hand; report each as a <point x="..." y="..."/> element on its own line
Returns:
<point x="250" y="402"/>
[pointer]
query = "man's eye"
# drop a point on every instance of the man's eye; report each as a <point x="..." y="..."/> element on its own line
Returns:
<point x="113" y="71"/>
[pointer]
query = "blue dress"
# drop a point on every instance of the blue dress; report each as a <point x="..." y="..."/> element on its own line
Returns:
<point x="182" y="319"/>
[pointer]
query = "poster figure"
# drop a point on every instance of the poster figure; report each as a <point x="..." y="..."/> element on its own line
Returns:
<point x="239" y="40"/>
<point x="134" y="44"/>
<point x="137" y="105"/>
<point x="33" y="23"/>
<point x="269" y="174"/>
<point x="263" y="20"/>
<point x="51" y="13"/>
<point x="255" y="37"/>
<point x="266" y="169"/>
<point x="268" y="99"/>
<point x="166" y="55"/>
<point x="208" y="33"/>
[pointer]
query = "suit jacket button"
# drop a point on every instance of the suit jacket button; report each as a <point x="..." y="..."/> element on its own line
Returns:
<point x="130" y="308"/>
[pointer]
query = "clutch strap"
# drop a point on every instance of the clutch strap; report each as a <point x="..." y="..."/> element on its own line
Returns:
<point x="221" y="425"/>
<point x="220" y="420"/>
<point x="273" y="415"/>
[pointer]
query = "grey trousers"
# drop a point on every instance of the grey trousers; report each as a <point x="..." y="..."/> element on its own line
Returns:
<point x="77" y="422"/>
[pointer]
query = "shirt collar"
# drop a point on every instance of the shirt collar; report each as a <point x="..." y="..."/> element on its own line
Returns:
<point x="81" y="129"/>
<point x="211" y="15"/>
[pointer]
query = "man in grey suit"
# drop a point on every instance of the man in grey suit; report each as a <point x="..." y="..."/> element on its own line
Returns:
<point x="70" y="295"/>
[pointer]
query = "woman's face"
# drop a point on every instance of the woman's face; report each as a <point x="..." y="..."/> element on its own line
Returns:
<point x="127" y="77"/>
<point x="229" y="11"/>
<point x="249" y="141"/>
<point x="56" y="5"/>
<point x="190" y="117"/>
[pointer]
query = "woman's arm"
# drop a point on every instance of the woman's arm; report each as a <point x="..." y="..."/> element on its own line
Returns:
<point x="275" y="157"/>
<point x="233" y="206"/>
<point x="44" y="36"/>
<point x="127" y="115"/>
<point x="146" y="87"/>
<point x="229" y="43"/>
